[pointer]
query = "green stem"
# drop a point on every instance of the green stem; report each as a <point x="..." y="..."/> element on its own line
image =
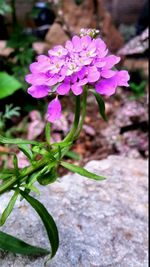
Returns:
<point x="25" y="172"/>
<point x="84" y="103"/>
<point x="70" y="135"/>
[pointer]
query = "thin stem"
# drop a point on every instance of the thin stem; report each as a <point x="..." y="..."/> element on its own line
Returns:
<point x="48" y="133"/>
<point x="84" y="102"/>
<point x="25" y="172"/>
<point x="70" y="135"/>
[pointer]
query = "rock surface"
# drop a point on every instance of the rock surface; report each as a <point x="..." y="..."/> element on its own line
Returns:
<point x="56" y="35"/>
<point x="101" y="224"/>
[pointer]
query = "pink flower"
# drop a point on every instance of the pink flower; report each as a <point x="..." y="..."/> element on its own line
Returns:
<point x="54" y="110"/>
<point x="83" y="61"/>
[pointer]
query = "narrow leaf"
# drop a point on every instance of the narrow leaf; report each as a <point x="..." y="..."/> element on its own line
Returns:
<point x="81" y="171"/>
<point x="26" y="150"/>
<point x="48" y="222"/>
<point x="101" y="105"/>
<point x="15" y="162"/>
<point x="73" y="155"/>
<point x="16" y="141"/>
<point x="15" y="245"/>
<point x="9" y="208"/>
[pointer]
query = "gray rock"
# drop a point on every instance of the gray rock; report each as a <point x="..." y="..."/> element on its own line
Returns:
<point x="101" y="224"/>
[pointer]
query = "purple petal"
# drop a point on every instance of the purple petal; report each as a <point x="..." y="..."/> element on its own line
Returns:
<point x="53" y="80"/>
<point x="76" y="89"/>
<point x="106" y="87"/>
<point x="54" y="110"/>
<point x="85" y="41"/>
<point x="69" y="46"/>
<point x="93" y="74"/>
<point x="83" y="82"/>
<point x="36" y="79"/>
<point x="122" y="78"/>
<point x="38" y="91"/>
<point x="77" y="43"/>
<point x="101" y="47"/>
<point x="111" y="61"/>
<point x="63" y="89"/>
<point x="99" y="63"/>
<point x="107" y="73"/>
<point x="42" y="58"/>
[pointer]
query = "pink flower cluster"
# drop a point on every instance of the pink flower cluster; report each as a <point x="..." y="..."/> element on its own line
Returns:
<point x="83" y="61"/>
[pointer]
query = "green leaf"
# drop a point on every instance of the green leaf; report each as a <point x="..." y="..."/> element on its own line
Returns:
<point x="4" y="7"/>
<point x="40" y="174"/>
<point x="81" y="171"/>
<point x="15" y="162"/>
<point x="48" y="222"/>
<point x="27" y="151"/>
<point x="49" y="177"/>
<point x="16" y="141"/>
<point x="9" y="208"/>
<point x="8" y="85"/>
<point x="73" y="155"/>
<point x="101" y="105"/>
<point x="48" y="133"/>
<point x="15" y="245"/>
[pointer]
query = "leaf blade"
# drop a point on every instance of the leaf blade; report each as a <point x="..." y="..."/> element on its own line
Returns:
<point x="47" y="220"/>
<point x="101" y="105"/>
<point x="9" y="208"/>
<point x="82" y="171"/>
<point x="16" y="245"/>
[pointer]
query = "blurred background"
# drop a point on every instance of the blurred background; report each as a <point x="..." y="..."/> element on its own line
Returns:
<point x="30" y="28"/>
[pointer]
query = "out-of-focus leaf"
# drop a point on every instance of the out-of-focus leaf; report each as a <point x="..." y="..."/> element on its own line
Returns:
<point x="16" y="141"/>
<point x="73" y="155"/>
<point x="26" y="150"/>
<point x="8" y="85"/>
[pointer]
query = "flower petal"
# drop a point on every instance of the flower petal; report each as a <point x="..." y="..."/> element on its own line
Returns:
<point x="108" y="73"/>
<point x="122" y="78"/>
<point x="63" y="89"/>
<point x="85" y="41"/>
<point x="54" y="110"/>
<point x="39" y="91"/>
<point x="111" y="61"/>
<point x="77" y="43"/>
<point x="76" y="89"/>
<point x="106" y="87"/>
<point x="36" y="79"/>
<point x="93" y="74"/>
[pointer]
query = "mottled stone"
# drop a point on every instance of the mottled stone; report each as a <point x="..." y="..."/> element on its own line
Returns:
<point x="79" y="16"/>
<point x="56" y="35"/>
<point x="101" y="224"/>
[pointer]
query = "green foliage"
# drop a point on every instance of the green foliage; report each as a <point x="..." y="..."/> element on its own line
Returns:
<point x="8" y="85"/>
<point x="101" y="105"/>
<point x="23" y="54"/>
<point x="15" y="245"/>
<point x="9" y="112"/>
<point x="81" y="171"/>
<point x="138" y="89"/>
<point x="9" y="208"/>
<point x="47" y="220"/>
<point x="4" y="7"/>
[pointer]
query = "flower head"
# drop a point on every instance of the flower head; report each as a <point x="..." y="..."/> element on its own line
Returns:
<point x="83" y="61"/>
